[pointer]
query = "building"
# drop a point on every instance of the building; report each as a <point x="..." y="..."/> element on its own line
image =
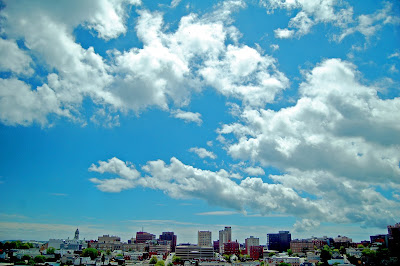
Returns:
<point x="191" y="252"/>
<point x="301" y="245"/>
<point x="143" y="237"/>
<point x="231" y="248"/>
<point x="394" y="238"/>
<point x="225" y="236"/>
<point x="256" y="252"/>
<point x="204" y="239"/>
<point x="250" y="242"/>
<point x="275" y="260"/>
<point x="280" y="241"/>
<point x="106" y="242"/>
<point x="216" y="245"/>
<point x="70" y="244"/>
<point x="169" y="236"/>
<point x="383" y="239"/>
<point x="342" y="241"/>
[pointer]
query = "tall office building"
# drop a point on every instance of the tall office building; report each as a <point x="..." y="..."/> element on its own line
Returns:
<point x="251" y="242"/>
<point x="280" y="241"/>
<point x="204" y="239"/>
<point x="169" y="236"/>
<point x="225" y="236"/>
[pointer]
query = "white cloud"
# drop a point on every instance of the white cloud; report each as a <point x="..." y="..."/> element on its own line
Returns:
<point x="274" y="47"/>
<point x="305" y="225"/>
<point x="14" y="59"/>
<point x="244" y="73"/>
<point x="394" y="55"/>
<point x="19" y="105"/>
<point x="393" y="69"/>
<point x="339" y="133"/>
<point x="188" y="116"/>
<point x="175" y="3"/>
<point x="310" y="13"/>
<point x="203" y="153"/>
<point x="368" y="25"/>
<point x="283" y="33"/>
<point x="254" y="171"/>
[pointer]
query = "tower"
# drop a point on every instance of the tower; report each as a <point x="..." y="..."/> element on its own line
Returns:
<point x="76" y="234"/>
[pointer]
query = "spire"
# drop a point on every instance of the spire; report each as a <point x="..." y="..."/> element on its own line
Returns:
<point x="76" y="234"/>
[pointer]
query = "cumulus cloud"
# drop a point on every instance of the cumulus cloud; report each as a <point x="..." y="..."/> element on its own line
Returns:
<point x="203" y="153"/>
<point x="19" y="105"/>
<point x="14" y="59"/>
<point x="305" y="225"/>
<point x="164" y="72"/>
<point x="188" y="116"/>
<point x="339" y="133"/>
<point x="254" y="171"/>
<point x="339" y="201"/>
<point x="283" y="33"/>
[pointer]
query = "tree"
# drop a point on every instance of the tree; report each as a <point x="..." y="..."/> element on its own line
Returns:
<point x="160" y="263"/>
<point x="26" y="257"/>
<point x="90" y="252"/>
<point x="153" y="260"/>
<point x="170" y="264"/>
<point x="289" y="251"/>
<point x="40" y="259"/>
<point x="284" y="264"/>
<point x="25" y="246"/>
<point x="271" y="254"/>
<point x="176" y="259"/>
<point x="342" y="250"/>
<point x="360" y="246"/>
<point x="50" y="250"/>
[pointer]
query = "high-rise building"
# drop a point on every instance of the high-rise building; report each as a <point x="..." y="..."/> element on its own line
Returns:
<point x="169" y="236"/>
<point x="204" y="238"/>
<point x="250" y="242"/>
<point x="231" y="248"/>
<point x="280" y="241"/>
<point x="225" y="236"/>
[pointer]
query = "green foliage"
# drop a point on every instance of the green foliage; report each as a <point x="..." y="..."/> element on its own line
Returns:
<point x="50" y="250"/>
<point x="360" y="246"/>
<point x="284" y="264"/>
<point x="160" y="263"/>
<point x="31" y="262"/>
<point x="326" y="254"/>
<point x="90" y="252"/>
<point x="21" y="262"/>
<point x="262" y="263"/>
<point x="40" y="259"/>
<point x="289" y="251"/>
<point x="226" y="257"/>
<point x="176" y="259"/>
<point x="368" y="252"/>
<point x="342" y="250"/>
<point x="108" y="252"/>
<point x="26" y="257"/>
<point x="170" y="264"/>
<point x="153" y="260"/>
<point x="271" y="254"/>
<point x="25" y="246"/>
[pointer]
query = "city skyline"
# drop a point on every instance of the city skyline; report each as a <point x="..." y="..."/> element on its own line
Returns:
<point x="189" y="116"/>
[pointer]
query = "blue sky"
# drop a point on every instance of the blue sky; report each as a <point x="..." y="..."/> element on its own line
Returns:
<point x="194" y="115"/>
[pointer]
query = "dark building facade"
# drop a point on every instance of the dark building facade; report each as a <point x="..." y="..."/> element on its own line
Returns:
<point x="280" y="241"/>
<point x="169" y="236"/>
<point x="143" y="237"/>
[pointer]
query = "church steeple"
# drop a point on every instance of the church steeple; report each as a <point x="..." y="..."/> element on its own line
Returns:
<point x="76" y="234"/>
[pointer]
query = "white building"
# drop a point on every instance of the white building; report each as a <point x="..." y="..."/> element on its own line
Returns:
<point x="225" y="236"/>
<point x="251" y="242"/>
<point x="204" y="238"/>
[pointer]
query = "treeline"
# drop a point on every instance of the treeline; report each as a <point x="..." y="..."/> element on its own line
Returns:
<point x="15" y="245"/>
